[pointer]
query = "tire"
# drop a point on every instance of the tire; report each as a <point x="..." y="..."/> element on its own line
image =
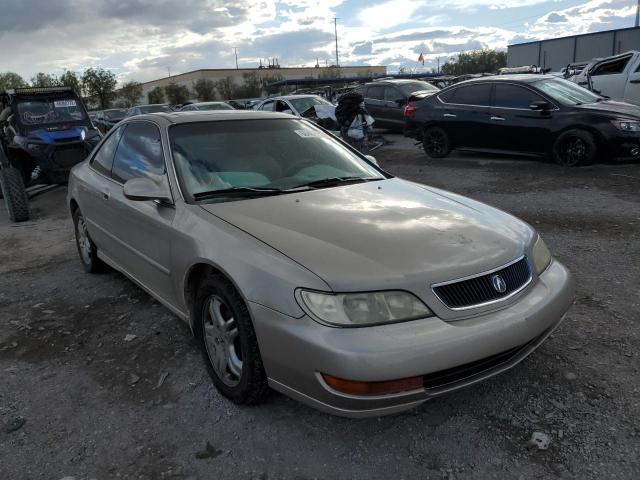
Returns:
<point x="435" y="142"/>
<point x="225" y="333"/>
<point x="15" y="195"/>
<point x="575" y="147"/>
<point x="87" y="250"/>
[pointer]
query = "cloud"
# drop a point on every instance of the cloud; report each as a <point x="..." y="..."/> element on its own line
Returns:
<point x="556" y="18"/>
<point x="389" y="14"/>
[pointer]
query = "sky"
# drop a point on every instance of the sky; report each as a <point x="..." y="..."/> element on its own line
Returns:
<point x="146" y="39"/>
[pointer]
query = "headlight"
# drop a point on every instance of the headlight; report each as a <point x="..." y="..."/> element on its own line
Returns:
<point x="369" y="308"/>
<point x="541" y="256"/>
<point x="626" y="125"/>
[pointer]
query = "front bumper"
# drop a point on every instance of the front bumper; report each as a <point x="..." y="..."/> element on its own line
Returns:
<point x="623" y="147"/>
<point x="449" y="355"/>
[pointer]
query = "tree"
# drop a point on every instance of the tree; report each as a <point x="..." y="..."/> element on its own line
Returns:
<point x="226" y="88"/>
<point x="156" y="95"/>
<point x="477" y="61"/>
<point x="42" y="79"/>
<point x="131" y="92"/>
<point x="251" y="88"/>
<point x="176" y="94"/>
<point x="11" y="80"/>
<point x="70" y="79"/>
<point x="101" y="84"/>
<point x="205" y="90"/>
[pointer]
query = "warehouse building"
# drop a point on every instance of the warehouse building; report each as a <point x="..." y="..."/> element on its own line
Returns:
<point x="273" y="74"/>
<point x="556" y="53"/>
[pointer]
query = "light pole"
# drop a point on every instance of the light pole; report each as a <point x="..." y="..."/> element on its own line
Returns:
<point x="335" y="28"/>
<point x="235" y="51"/>
<point x="638" y="14"/>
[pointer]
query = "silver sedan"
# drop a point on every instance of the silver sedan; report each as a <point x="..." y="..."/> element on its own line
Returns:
<point x="301" y="266"/>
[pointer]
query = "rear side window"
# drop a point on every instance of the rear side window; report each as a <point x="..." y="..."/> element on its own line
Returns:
<point x="611" y="68"/>
<point x="267" y="106"/>
<point x="139" y="153"/>
<point x="513" y="96"/>
<point x="393" y="94"/>
<point x="479" y="95"/>
<point x="377" y="92"/>
<point x="103" y="159"/>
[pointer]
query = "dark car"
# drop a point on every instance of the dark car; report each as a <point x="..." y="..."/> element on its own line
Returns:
<point x="385" y="100"/>
<point x="43" y="133"/>
<point x="106" y="119"/>
<point x="532" y="114"/>
<point x="153" y="108"/>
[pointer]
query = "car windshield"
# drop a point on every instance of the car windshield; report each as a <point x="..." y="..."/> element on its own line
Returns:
<point x="50" y="111"/>
<point x="213" y="106"/>
<point x="154" y="108"/>
<point x="565" y="92"/>
<point x="303" y="104"/>
<point x="115" y="114"/>
<point x="410" y="87"/>
<point x="253" y="155"/>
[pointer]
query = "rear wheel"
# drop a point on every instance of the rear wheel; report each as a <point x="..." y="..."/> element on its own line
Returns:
<point x="14" y="193"/>
<point x="228" y="342"/>
<point x="435" y="142"/>
<point x="575" y="147"/>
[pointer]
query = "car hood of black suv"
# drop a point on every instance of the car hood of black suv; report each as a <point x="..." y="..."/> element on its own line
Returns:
<point x="614" y="108"/>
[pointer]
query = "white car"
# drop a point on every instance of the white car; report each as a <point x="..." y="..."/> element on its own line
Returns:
<point x="292" y="104"/>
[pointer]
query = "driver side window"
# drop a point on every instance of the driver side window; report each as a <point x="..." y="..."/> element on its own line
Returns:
<point x="139" y="153"/>
<point x="267" y="106"/>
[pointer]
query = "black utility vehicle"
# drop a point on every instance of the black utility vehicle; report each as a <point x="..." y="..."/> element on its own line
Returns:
<point x="531" y="114"/>
<point x="43" y="133"/>
<point x="385" y="99"/>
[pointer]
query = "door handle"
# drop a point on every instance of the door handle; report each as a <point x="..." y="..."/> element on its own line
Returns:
<point x="449" y="115"/>
<point x="498" y="119"/>
<point x="634" y="81"/>
<point x="105" y="195"/>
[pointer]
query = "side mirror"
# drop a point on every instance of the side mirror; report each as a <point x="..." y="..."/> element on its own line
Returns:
<point x="372" y="159"/>
<point x="541" y="106"/>
<point x="143" y="189"/>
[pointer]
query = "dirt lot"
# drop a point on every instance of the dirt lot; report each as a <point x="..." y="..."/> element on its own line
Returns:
<point x="94" y="405"/>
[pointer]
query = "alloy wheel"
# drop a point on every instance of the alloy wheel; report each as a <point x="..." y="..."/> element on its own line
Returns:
<point x="435" y="143"/>
<point x="84" y="244"/>
<point x="222" y="341"/>
<point x="574" y="151"/>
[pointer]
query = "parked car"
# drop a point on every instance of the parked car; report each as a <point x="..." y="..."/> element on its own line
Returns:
<point x="152" y="108"/>
<point x="206" y="106"/>
<point x="106" y="119"/>
<point x="43" y="133"/>
<point x="292" y="104"/>
<point x="616" y="77"/>
<point x="533" y="114"/>
<point x="300" y="265"/>
<point x="385" y="100"/>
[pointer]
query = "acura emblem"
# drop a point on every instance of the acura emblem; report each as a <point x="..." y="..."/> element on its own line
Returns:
<point x="498" y="283"/>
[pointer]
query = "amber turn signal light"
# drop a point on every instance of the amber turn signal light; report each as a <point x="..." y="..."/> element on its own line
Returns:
<point x="372" y="388"/>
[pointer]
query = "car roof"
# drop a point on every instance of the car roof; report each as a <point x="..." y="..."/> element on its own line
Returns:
<point x="396" y="81"/>
<point x="289" y="97"/>
<point x="516" y="77"/>
<point x="210" y="116"/>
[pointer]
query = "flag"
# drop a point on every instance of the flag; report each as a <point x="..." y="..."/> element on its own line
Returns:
<point x="421" y="58"/>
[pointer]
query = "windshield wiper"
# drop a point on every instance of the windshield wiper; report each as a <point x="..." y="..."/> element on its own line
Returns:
<point x="248" y="190"/>
<point x="331" y="181"/>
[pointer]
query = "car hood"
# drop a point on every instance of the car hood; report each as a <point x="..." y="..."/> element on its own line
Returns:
<point x="613" y="108"/>
<point x="381" y="235"/>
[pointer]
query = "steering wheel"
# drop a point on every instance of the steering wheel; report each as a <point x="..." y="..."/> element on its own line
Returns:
<point x="297" y="166"/>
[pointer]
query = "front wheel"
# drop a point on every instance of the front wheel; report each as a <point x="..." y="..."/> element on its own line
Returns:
<point x="15" y="194"/>
<point x="575" y="147"/>
<point x="435" y="142"/>
<point x="86" y="248"/>
<point x="228" y="342"/>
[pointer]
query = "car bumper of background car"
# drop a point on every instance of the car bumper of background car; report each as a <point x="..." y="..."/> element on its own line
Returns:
<point x="446" y="355"/>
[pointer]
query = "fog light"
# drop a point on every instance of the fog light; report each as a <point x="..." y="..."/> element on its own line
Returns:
<point x="635" y="151"/>
<point x="373" y="388"/>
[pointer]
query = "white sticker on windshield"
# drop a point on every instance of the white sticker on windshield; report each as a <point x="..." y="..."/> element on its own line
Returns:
<point x="64" y="103"/>
<point x="307" y="133"/>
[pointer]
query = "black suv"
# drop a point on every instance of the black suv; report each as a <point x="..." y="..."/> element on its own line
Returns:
<point x="106" y="119"/>
<point x="533" y="114"/>
<point x="43" y="133"/>
<point x="385" y="99"/>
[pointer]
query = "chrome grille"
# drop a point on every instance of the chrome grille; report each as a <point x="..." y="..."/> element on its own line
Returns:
<point x="479" y="290"/>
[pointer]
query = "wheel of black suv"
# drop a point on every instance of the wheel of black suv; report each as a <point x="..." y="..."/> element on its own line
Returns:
<point x="575" y="147"/>
<point x="435" y="142"/>
<point x="86" y="248"/>
<point x="229" y="342"/>
<point x="14" y="193"/>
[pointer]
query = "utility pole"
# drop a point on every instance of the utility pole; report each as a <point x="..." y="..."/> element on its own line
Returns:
<point x="169" y="70"/>
<point x="235" y="51"/>
<point x="335" y="27"/>
<point x="638" y="14"/>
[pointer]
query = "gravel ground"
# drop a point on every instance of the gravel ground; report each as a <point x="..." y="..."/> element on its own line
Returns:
<point x="78" y="400"/>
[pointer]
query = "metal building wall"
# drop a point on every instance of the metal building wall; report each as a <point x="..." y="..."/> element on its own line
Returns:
<point x="557" y="53"/>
